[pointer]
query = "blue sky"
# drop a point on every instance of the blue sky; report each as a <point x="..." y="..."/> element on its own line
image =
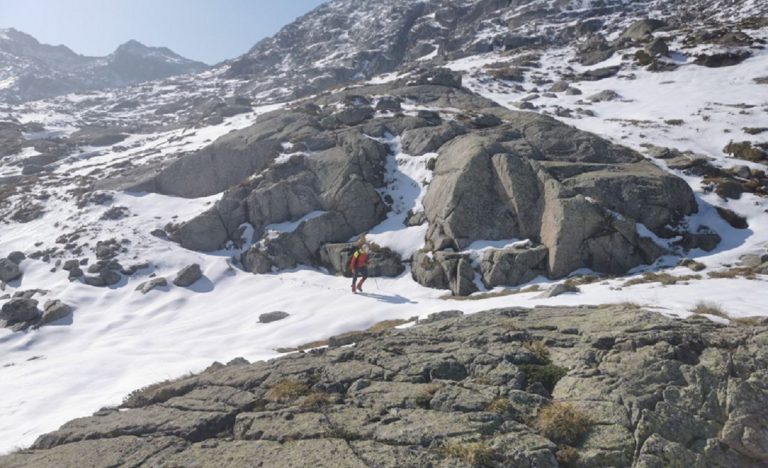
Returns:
<point x="205" y="30"/>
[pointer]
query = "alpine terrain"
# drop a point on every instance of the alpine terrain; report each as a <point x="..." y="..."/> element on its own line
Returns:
<point x="30" y="70"/>
<point x="561" y="205"/>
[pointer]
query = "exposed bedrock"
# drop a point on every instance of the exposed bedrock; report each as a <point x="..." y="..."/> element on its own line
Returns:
<point x="622" y="386"/>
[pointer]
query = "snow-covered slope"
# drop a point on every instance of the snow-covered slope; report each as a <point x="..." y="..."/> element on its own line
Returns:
<point x="119" y="339"/>
<point x="30" y="70"/>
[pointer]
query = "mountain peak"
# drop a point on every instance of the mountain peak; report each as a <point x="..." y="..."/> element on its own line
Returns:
<point x="13" y="34"/>
<point x="131" y="46"/>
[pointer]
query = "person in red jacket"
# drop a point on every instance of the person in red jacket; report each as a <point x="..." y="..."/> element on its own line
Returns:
<point x="359" y="266"/>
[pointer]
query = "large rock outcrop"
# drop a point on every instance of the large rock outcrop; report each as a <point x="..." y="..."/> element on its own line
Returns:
<point x="455" y="391"/>
<point x="575" y="193"/>
<point x="498" y="174"/>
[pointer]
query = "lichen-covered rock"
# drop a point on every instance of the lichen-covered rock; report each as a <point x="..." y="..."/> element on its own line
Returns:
<point x="657" y="392"/>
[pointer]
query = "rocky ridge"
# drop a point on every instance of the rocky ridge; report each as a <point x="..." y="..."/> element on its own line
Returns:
<point x="629" y="388"/>
<point x="349" y="40"/>
<point x="30" y="70"/>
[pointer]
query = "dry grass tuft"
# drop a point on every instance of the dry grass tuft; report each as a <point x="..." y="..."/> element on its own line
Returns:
<point x="664" y="278"/>
<point x="736" y="272"/>
<point x="710" y="308"/>
<point x="538" y="349"/>
<point x="157" y="392"/>
<point x="566" y="455"/>
<point x="756" y="321"/>
<point x="563" y="423"/>
<point x="471" y="453"/>
<point x="499" y="405"/>
<point x="576" y="281"/>
<point x="304" y="347"/>
<point x="380" y="327"/>
<point x="287" y="390"/>
<point x="692" y="264"/>
<point x="488" y="295"/>
<point x="424" y="398"/>
<point x="315" y="400"/>
<point x="744" y="150"/>
<point x="387" y="325"/>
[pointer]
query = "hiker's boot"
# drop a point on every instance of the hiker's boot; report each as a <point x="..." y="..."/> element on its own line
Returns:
<point x="360" y="285"/>
<point x="354" y="290"/>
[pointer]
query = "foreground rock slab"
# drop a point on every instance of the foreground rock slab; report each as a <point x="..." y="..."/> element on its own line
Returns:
<point x="453" y="391"/>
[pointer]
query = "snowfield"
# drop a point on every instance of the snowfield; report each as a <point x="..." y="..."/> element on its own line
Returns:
<point x="119" y="340"/>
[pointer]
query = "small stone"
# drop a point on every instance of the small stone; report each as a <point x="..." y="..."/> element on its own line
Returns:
<point x="115" y="213"/>
<point x="16" y="257"/>
<point x="20" y="310"/>
<point x="742" y="171"/>
<point x="110" y="277"/>
<point x="75" y="273"/>
<point x="148" y="286"/>
<point x="273" y="316"/>
<point x="29" y="293"/>
<point x="751" y="261"/>
<point x="95" y="281"/>
<point x="559" y="87"/>
<point x="602" y="96"/>
<point x="188" y="275"/>
<point x="55" y="310"/>
<point x="9" y="270"/>
<point x="160" y="234"/>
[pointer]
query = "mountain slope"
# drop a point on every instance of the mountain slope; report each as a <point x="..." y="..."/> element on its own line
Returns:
<point x="30" y="70"/>
<point x="113" y="254"/>
<point x="350" y="40"/>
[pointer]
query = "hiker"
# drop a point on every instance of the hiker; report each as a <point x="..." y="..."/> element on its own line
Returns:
<point x="359" y="266"/>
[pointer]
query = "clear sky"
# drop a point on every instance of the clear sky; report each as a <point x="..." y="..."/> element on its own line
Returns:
<point x="206" y="30"/>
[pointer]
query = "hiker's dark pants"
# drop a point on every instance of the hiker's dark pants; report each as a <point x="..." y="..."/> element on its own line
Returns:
<point x="359" y="271"/>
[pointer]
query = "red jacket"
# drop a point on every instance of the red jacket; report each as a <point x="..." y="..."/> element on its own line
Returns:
<point x="359" y="258"/>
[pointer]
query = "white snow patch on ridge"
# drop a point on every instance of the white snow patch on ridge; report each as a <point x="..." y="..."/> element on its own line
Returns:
<point x="406" y="180"/>
<point x="7" y="83"/>
<point x="291" y="226"/>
